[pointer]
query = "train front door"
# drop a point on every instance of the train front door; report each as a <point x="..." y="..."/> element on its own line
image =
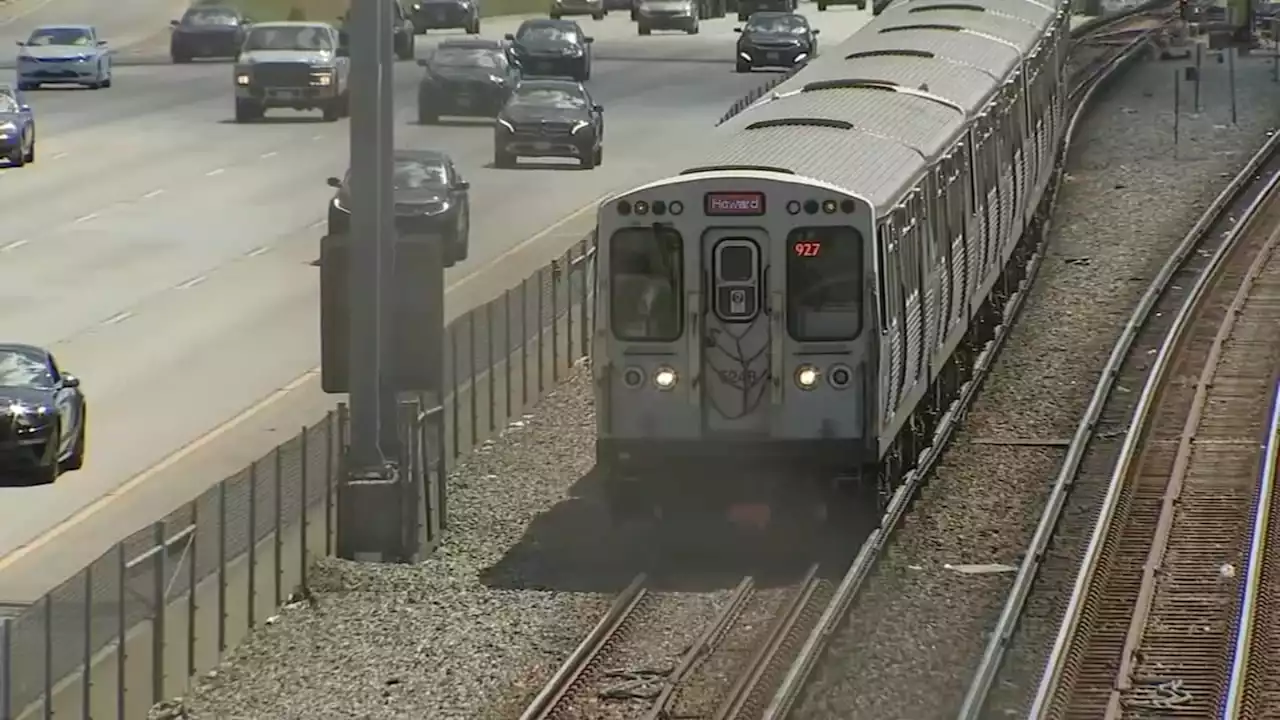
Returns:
<point x="735" y="333"/>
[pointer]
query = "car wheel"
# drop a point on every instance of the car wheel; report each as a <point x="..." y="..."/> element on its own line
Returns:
<point x="742" y="17"/>
<point x="75" y="460"/>
<point x="48" y="475"/>
<point x="16" y="157"/>
<point x="597" y="16"/>
<point x="862" y="6"/>
<point x="474" y="28"/>
<point x="332" y="110"/>
<point x="588" y="160"/>
<point x="644" y="29"/>
<point x="503" y="159"/>
<point x="555" y="16"/>
<point x="426" y="117"/>
<point x="180" y="59"/>
<point x="30" y="157"/>
<point x="405" y="49"/>
<point x="28" y="86"/>
<point x="743" y="66"/>
<point x="107" y="82"/>
<point x="599" y="156"/>
<point x="248" y="111"/>
<point x="635" y="15"/>
<point x="693" y="29"/>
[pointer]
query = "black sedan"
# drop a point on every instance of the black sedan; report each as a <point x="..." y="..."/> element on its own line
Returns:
<point x="207" y="31"/>
<point x="775" y="39"/>
<point x="431" y="198"/>
<point x="42" y="416"/>
<point x="552" y="48"/>
<point x="549" y="118"/>
<point x="469" y="78"/>
<point x="446" y="15"/>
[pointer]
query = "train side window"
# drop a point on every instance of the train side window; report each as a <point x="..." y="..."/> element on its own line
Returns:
<point x="645" y="269"/>
<point x="824" y="283"/>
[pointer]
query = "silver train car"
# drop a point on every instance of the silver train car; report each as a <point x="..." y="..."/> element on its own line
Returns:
<point x="797" y="305"/>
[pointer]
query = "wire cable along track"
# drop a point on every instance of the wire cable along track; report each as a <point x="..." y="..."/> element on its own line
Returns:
<point x="750" y="641"/>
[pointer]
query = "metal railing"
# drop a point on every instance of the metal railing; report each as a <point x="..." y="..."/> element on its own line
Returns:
<point x="171" y="600"/>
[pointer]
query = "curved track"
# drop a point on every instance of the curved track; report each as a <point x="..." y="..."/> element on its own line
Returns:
<point x="1153" y="615"/>
<point x="165" y="254"/>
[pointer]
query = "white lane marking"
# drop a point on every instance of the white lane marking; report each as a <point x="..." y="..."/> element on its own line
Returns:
<point x="14" y="245"/>
<point x="58" y="156"/>
<point x="316" y="224"/>
<point x="317" y="137"/>
<point x="212" y="173"/>
<point x="153" y="193"/>
<point x="85" y="218"/>
<point x="118" y="318"/>
<point x="192" y="282"/>
<point x="258" y="251"/>
<point x="266" y="155"/>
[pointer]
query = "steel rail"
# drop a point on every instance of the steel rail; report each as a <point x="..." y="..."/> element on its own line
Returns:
<point x="1146" y="401"/>
<point x="1242" y="654"/>
<point x="702" y="648"/>
<point x="766" y="653"/>
<point x="573" y="669"/>
<point x="863" y="563"/>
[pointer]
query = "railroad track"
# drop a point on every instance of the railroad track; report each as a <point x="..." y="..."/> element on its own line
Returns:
<point x="728" y="671"/>
<point x="1094" y="64"/>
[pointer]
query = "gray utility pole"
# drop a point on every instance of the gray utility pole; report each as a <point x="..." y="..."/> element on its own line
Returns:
<point x="370" y="497"/>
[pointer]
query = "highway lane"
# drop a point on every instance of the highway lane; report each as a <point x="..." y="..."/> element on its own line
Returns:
<point x="123" y="23"/>
<point x="180" y="286"/>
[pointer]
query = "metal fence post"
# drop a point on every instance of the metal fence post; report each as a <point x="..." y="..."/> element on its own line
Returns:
<point x="506" y="347"/>
<point x="329" y="422"/>
<point x="524" y="344"/>
<point x="471" y="363"/>
<point x="193" y="606"/>
<point x="278" y="545"/>
<point x="157" y="623"/>
<point x="541" y="316"/>
<point x="222" y="569"/>
<point x="568" y="333"/>
<point x="454" y="376"/>
<point x="46" y="611"/>
<point x="493" y="381"/>
<point x="302" y="506"/>
<point x="557" y="270"/>
<point x="122" y="654"/>
<point x="86" y="676"/>
<point x="253" y="544"/>
<point x="584" y="297"/>
<point x="6" y="662"/>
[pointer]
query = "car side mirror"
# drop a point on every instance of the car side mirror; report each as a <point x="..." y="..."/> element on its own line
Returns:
<point x="510" y="37"/>
<point x="817" y="32"/>
<point x="20" y="43"/>
<point x="588" y="40"/>
<point x="463" y="185"/>
<point x="102" y="43"/>
<point x="737" y="30"/>
<point x="334" y="182"/>
<point x="174" y="23"/>
<point x="70" y="381"/>
<point x="598" y="108"/>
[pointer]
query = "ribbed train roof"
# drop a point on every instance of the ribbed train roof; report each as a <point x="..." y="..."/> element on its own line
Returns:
<point x="871" y="113"/>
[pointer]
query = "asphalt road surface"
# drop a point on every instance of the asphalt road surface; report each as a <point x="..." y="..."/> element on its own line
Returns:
<point x="165" y="254"/>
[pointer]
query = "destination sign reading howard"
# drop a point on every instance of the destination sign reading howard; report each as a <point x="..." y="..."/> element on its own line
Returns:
<point x="734" y="203"/>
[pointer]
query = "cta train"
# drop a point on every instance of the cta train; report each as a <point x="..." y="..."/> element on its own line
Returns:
<point x="793" y="313"/>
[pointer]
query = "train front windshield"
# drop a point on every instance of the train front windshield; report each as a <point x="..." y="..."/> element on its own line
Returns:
<point x="646" y="265"/>
<point x="824" y="283"/>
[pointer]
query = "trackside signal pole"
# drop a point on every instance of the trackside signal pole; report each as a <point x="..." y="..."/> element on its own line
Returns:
<point x="369" y="497"/>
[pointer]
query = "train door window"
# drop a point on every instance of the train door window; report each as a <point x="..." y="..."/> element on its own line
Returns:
<point x="882" y="280"/>
<point x="646" y="289"/>
<point x="736" y="274"/>
<point x="824" y="283"/>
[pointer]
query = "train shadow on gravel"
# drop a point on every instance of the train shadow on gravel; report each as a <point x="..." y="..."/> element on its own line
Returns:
<point x="574" y="547"/>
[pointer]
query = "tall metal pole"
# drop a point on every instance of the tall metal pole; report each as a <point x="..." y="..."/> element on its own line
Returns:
<point x="372" y="396"/>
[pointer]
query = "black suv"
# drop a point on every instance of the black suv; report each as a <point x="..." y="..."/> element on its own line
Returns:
<point x="549" y="118"/>
<point x="207" y="31"/>
<point x="469" y="78"/>
<point x="402" y="31"/>
<point x="431" y="198"/>
<point x="775" y="39"/>
<point x="552" y="47"/>
<point x="446" y="15"/>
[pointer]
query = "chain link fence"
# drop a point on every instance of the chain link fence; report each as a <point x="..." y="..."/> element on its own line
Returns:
<point x="175" y="597"/>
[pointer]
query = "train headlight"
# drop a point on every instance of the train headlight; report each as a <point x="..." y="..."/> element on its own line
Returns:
<point x="840" y="376"/>
<point x="806" y="377"/>
<point x="665" y="378"/>
<point x="633" y="377"/>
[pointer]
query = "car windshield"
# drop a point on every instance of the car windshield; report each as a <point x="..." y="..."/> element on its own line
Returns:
<point x="305" y="37"/>
<point x="551" y="97"/>
<point x="19" y="369"/>
<point x="415" y="174"/>
<point x="547" y="33"/>
<point x="60" y="36"/>
<point x="467" y="57"/>
<point x="8" y="104"/>
<point x="209" y="16"/>
<point x="778" y="24"/>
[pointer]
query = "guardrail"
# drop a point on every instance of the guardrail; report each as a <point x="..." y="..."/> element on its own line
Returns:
<point x="171" y="600"/>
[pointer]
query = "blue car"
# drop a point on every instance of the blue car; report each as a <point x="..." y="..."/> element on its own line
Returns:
<point x="64" y="54"/>
<point x="17" y="128"/>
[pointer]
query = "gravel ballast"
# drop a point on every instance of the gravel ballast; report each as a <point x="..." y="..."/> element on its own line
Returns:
<point x="432" y="640"/>
<point x="915" y="636"/>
